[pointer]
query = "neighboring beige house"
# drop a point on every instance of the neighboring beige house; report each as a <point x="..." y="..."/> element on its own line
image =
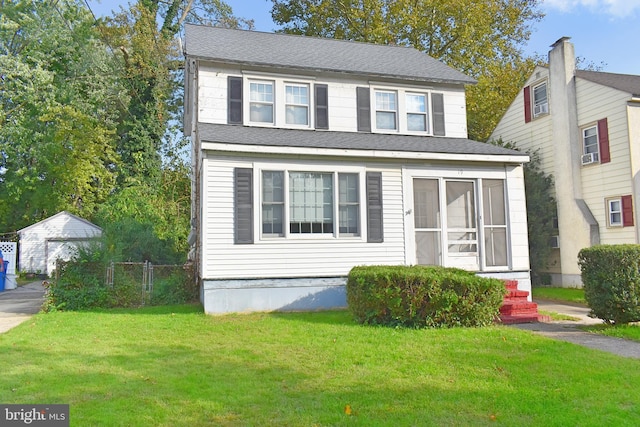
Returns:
<point x="312" y="156"/>
<point x="586" y="128"/>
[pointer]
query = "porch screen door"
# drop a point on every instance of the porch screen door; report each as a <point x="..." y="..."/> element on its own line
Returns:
<point x="462" y="229"/>
<point x="427" y="223"/>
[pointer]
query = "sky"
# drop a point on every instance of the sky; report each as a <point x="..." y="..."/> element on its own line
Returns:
<point x="605" y="33"/>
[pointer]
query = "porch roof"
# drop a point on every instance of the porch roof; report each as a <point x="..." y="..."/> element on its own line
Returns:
<point x="261" y="137"/>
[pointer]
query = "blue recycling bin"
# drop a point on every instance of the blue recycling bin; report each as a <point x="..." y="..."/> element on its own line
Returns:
<point x="3" y="276"/>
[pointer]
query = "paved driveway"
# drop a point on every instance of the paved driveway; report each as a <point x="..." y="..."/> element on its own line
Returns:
<point x="18" y="305"/>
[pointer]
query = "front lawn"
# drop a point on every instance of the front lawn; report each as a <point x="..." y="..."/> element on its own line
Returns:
<point x="568" y="295"/>
<point x="174" y="366"/>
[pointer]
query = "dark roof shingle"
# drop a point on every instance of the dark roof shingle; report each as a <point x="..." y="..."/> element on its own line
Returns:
<point x="317" y="54"/>
<point x="275" y="137"/>
<point x="624" y="82"/>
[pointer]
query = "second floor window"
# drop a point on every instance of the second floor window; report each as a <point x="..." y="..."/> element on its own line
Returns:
<point x="297" y="104"/>
<point x="261" y="102"/>
<point x="540" y="104"/>
<point x="590" y="145"/>
<point x="386" y="110"/>
<point x="416" y="112"/>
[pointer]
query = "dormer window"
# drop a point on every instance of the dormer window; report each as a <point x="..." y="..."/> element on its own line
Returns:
<point x="261" y="102"/>
<point x="386" y="110"/>
<point x="540" y="103"/>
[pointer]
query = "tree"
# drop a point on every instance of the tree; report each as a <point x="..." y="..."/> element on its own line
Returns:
<point x="476" y="38"/>
<point x="144" y="38"/>
<point x="58" y="93"/>
<point x="541" y="211"/>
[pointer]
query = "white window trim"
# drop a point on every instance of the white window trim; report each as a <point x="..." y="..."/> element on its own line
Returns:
<point x="533" y="99"/>
<point x="308" y="105"/>
<point x="427" y="114"/>
<point x="583" y="129"/>
<point x="247" y="102"/>
<point x="401" y="112"/>
<point x="279" y="99"/>
<point x="375" y="110"/>
<point x="610" y="211"/>
<point x="287" y="236"/>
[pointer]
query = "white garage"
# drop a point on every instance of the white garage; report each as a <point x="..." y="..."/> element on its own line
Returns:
<point x="56" y="237"/>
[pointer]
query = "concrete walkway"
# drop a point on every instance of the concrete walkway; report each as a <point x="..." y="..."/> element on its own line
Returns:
<point x="18" y="305"/>
<point x="569" y="331"/>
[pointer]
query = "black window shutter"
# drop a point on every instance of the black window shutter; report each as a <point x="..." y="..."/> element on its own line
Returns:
<point x="322" y="107"/>
<point x="243" y="209"/>
<point x="234" y="97"/>
<point x="364" y="109"/>
<point x="375" y="233"/>
<point x="437" y="103"/>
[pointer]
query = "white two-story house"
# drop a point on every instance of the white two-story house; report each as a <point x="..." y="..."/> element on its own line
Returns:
<point x="312" y="156"/>
<point x="585" y="125"/>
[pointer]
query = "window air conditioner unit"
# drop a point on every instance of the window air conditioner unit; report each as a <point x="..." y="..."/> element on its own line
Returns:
<point x="554" y="242"/>
<point x="589" y="158"/>
<point x="541" y="109"/>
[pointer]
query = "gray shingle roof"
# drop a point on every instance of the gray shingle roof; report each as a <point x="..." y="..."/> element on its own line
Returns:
<point x="317" y="54"/>
<point x="275" y="137"/>
<point x="624" y="82"/>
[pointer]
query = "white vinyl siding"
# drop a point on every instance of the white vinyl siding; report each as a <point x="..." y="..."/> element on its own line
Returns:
<point x="212" y="100"/>
<point x="615" y="177"/>
<point x="533" y="136"/>
<point x="299" y="257"/>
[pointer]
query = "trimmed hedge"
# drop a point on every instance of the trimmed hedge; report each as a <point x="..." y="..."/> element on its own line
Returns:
<point x="418" y="296"/>
<point x="611" y="280"/>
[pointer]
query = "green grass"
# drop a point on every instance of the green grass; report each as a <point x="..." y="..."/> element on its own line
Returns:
<point x="174" y="366"/>
<point x="569" y="295"/>
<point x="558" y="316"/>
<point x="630" y="332"/>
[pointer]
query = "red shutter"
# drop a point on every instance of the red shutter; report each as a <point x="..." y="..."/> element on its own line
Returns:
<point x="627" y="211"/>
<point x="527" y="104"/>
<point x="603" y="141"/>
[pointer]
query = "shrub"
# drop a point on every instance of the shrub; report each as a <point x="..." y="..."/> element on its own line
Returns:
<point x="416" y="296"/>
<point x="611" y="280"/>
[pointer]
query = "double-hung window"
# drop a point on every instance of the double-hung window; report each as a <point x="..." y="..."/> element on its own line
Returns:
<point x="349" y="204"/>
<point x="261" y="102"/>
<point x="540" y="104"/>
<point x="296" y="104"/>
<point x="272" y="203"/>
<point x="386" y="110"/>
<point x="416" y="106"/>
<point x="620" y="211"/>
<point x="591" y="152"/>
<point x="309" y="204"/>
<point x="615" y="212"/>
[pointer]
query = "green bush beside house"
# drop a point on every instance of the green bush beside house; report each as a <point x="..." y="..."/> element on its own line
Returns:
<point x="611" y="281"/>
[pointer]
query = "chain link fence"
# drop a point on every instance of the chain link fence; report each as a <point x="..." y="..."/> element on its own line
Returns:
<point x="80" y="285"/>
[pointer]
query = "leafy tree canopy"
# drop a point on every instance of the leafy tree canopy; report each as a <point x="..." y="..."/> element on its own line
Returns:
<point x="481" y="38"/>
<point x="57" y="92"/>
